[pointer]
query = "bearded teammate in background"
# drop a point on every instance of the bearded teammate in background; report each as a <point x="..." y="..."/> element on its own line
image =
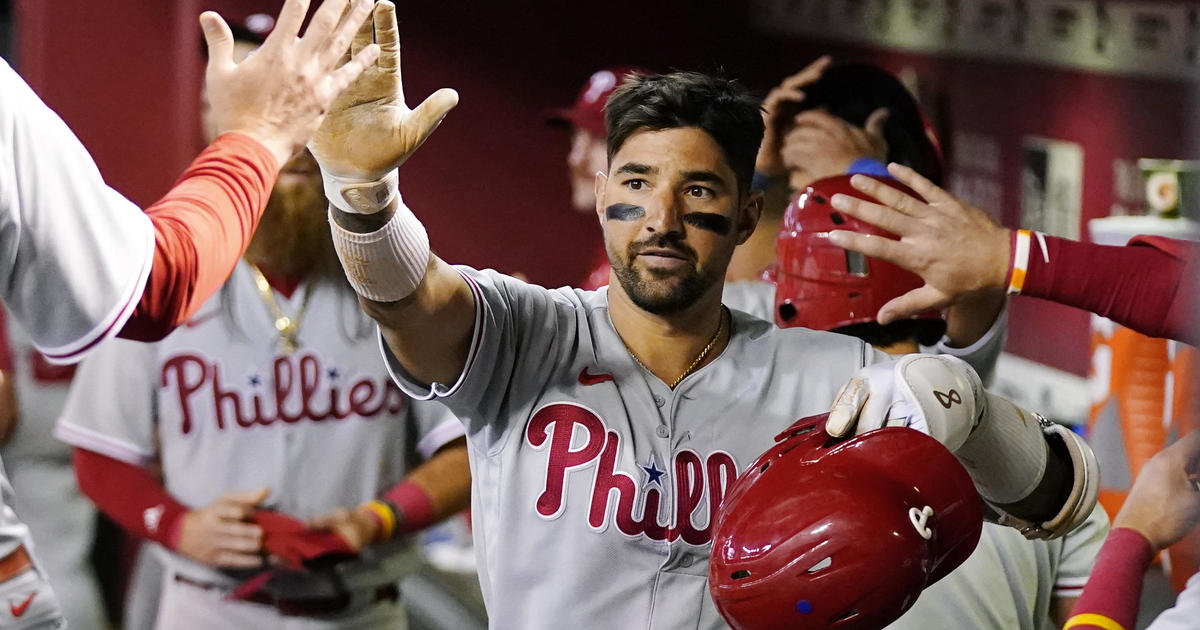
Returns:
<point x="271" y="396"/>
<point x="284" y="333"/>
<point x="82" y="263"/>
<point x="1008" y="582"/>
<point x="605" y="425"/>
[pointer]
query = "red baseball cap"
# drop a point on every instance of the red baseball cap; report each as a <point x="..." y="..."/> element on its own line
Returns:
<point x="588" y="109"/>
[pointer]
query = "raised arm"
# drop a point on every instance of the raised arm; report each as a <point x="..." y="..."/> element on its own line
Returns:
<point x="961" y="252"/>
<point x="425" y="309"/>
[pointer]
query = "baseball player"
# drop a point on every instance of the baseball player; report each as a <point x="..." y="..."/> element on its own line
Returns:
<point x="82" y="263"/>
<point x="272" y="396"/>
<point x="1008" y="582"/>
<point x="585" y="119"/>
<point x="835" y="118"/>
<point x="606" y="425"/>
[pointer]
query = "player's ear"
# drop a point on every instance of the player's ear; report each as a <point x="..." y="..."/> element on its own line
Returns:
<point x="600" y="183"/>
<point x="748" y="217"/>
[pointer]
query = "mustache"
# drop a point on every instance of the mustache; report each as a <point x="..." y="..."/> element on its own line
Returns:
<point x="665" y="240"/>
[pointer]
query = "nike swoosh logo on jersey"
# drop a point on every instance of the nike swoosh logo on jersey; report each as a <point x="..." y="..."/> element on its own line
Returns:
<point x="200" y="319"/>
<point x="19" y="609"/>
<point x="586" y="378"/>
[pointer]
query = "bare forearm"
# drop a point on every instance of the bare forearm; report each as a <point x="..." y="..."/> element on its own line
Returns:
<point x="969" y="320"/>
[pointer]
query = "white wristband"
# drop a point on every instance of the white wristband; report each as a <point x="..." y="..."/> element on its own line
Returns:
<point x="388" y="264"/>
<point x="359" y="196"/>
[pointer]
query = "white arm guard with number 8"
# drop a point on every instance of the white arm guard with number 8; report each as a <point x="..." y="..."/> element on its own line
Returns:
<point x="1003" y="448"/>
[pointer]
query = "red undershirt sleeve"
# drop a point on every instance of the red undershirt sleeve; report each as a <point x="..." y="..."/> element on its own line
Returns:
<point x="6" y="355"/>
<point x="1141" y="286"/>
<point x="413" y="505"/>
<point x="201" y="228"/>
<point x="1115" y="587"/>
<point x="130" y="495"/>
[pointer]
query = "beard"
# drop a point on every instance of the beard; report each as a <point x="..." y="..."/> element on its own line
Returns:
<point x="293" y="235"/>
<point x="660" y="291"/>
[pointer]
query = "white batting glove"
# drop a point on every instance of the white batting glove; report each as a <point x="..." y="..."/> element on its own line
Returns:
<point x="936" y="394"/>
<point x="369" y="130"/>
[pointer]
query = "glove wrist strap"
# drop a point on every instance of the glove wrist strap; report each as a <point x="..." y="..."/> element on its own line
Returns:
<point x="359" y="196"/>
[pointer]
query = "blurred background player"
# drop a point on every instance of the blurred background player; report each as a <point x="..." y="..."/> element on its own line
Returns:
<point x="1008" y="582"/>
<point x="295" y="398"/>
<point x="588" y="155"/>
<point x="830" y="119"/>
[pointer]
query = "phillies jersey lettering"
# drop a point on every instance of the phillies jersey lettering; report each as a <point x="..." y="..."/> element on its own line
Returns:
<point x="299" y="389"/>
<point x="636" y="510"/>
<point x="226" y="411"/>
<point x="593" y="483"/>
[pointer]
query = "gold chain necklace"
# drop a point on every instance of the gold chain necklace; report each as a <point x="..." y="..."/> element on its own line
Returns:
<point x="288" y="327"/>
<point x="703" y="353"/>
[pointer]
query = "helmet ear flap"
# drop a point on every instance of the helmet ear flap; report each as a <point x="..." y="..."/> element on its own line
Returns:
<point x="825" y="533"/>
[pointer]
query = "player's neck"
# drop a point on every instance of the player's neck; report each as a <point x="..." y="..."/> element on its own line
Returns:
<point x="668" y="345"/>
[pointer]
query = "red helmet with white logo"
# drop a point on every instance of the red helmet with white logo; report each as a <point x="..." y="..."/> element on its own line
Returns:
<point x="844" y="534"/>
<point x="821" y="286"/>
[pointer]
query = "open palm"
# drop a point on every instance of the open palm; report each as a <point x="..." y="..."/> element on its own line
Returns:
<point x="370" y="130"/>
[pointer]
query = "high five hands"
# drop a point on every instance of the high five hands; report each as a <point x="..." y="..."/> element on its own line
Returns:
<point x="278" y="94"/>
<point x="370" y="130"/>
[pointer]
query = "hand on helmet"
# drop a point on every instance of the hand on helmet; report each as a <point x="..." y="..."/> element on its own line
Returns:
<point x="935" y="394"/>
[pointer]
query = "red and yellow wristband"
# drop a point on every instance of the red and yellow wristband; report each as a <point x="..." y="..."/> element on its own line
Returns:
<point x="385" y="517"/>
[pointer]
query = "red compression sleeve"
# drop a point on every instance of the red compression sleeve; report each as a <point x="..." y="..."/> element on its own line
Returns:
<point x="201" y="228"/>
<point x="6" y="355"/>
<point x="414" y="505"/>
<point x="1113" y="591"/>
<point x="131" y="496"/>
<point x="1145" y="288"/>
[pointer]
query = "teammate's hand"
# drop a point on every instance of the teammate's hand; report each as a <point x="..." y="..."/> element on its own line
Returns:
<point x="823" y="145"/>
<point x="220" y="536"/>
<point x="957" y="249"/>
<point x="370" y="130"/>
<point x="934" y="394"/>
<point x="278" y="94"/>
<point x="769" y="161"/>
<point x="1164" y="504"/>
<point x="357" y="528"/>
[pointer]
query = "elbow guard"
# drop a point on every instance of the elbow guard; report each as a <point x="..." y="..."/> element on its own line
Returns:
<point x="1007" y="456"/>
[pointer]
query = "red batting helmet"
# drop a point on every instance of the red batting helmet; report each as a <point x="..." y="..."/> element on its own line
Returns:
<point x="821" y="286"/>
<point x="845" y="534"/>
<point x="588" y="109"/>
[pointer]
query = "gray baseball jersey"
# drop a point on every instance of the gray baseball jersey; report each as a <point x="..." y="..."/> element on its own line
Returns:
<point x="593" y="483"/>
<point x="224" y="410"/>
<point x="758" y="299"/>
<point x="76" y="254"/>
